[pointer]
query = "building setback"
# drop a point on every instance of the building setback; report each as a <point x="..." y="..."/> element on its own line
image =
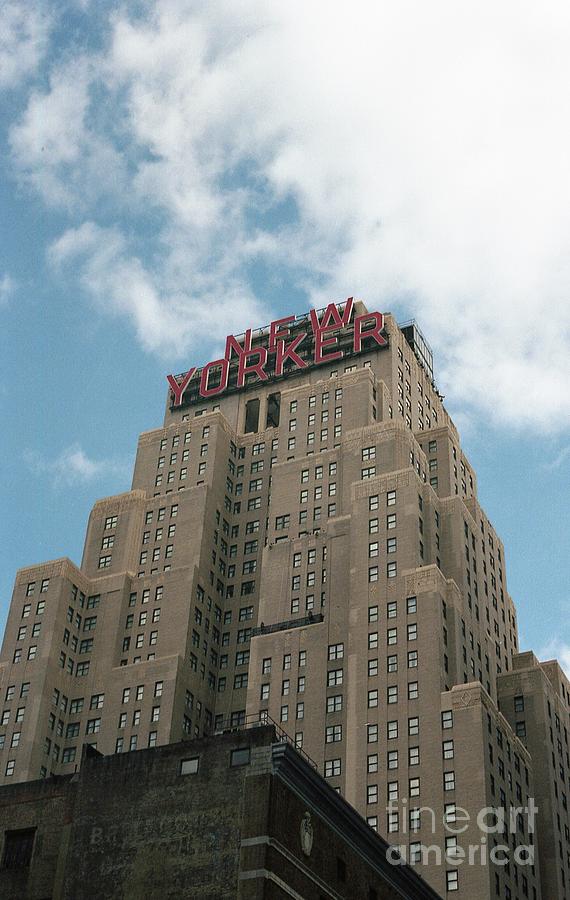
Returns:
<point x="306" y="547"/>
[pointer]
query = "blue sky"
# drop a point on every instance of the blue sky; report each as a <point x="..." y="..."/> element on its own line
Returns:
<point x="172" y="172"/>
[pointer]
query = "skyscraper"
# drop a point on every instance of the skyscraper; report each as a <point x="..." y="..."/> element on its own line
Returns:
<point x="303" y="542"/>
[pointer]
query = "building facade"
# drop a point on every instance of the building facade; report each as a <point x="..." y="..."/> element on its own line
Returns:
<point x="240" y="815"/>
<point x="302" y="541"/>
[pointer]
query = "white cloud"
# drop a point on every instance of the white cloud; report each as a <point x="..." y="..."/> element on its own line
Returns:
<point x="166" y="318"/>
<point x="7" y="288"/>
<point x="24" y="31"/>
<point x="556" y="649"/>
<point x="73" y="466"/>
<point x="419" y="149"/>
<point x="54" y="148"/>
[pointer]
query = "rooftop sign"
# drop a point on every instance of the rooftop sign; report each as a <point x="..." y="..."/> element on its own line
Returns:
<point x="287" y="344"/>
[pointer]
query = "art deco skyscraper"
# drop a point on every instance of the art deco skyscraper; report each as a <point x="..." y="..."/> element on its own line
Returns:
<point x="303" y="541"/>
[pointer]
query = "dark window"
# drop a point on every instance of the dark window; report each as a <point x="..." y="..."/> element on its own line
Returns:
<point x="273" y="410"/>
<point x="189" y="766"/>
<point x="340" y="869"/>
<point x="18" y="847"/>
<point x="240" y="757"/>
<point x="252" y="415"/>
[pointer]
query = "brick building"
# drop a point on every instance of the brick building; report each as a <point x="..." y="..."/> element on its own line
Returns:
<point x="242" y="815"/>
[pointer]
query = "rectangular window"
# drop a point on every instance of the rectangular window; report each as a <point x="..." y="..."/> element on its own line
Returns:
<point x="18" y="844"/>
<point x="333" y="768"/>
<point x="336" y="651"/>
<point x="333" y="734"/>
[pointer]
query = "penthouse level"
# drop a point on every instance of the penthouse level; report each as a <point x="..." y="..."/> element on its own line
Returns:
<point x="286" y="345"/>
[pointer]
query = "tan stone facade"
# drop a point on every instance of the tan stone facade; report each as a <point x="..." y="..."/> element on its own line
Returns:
<point x="309" y="549"/>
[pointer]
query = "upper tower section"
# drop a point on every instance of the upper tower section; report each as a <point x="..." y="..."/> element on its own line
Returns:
<point x="259" y="365"/>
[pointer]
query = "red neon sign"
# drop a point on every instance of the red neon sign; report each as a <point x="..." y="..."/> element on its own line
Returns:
<point x="280" y="346"/>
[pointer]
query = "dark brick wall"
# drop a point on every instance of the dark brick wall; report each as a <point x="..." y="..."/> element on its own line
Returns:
<point x="143" y="830"/>
<point x="132" y="827"/>
<point x="47" y="807"/>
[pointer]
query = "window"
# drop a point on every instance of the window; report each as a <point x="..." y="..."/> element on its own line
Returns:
<point x="391" y="498"/>
<point x="240" y="757"/>
<point x="333" y="734"/>
<point x="334" y="677"/>
<point x="447" y="750"/>
<point x="392" y="759"/>
<point x="392" y="636"/>
<point x="452" y="880"/>
<point x="333" y="768"/>
<point x="447" y="718"/>
<point x="189" y="766"/>
<point x="334" y="704"/>
<point x="336" y="651"/>
<point x="449" y="781"/>
<point x="18" y="845"/>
